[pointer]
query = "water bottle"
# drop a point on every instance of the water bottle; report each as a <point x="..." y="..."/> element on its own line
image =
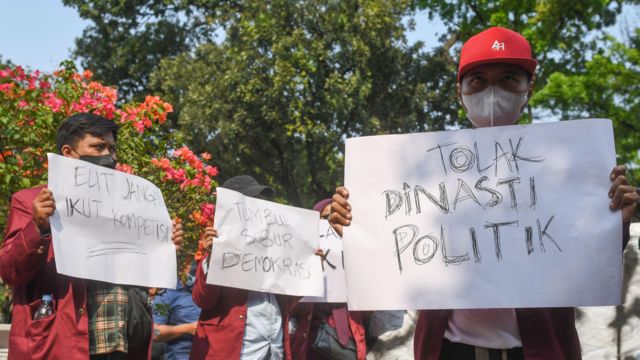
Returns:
<point x="45" y="309"/>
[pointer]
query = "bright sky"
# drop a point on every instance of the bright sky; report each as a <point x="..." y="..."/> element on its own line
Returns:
<point x="40" y="33"/>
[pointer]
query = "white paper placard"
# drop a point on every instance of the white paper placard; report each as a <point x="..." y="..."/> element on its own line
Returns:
<point x="110" y="226"/>
<point x="265" y="246"/>
<point x="512" y="216"/>
<point x="332" y="267"/>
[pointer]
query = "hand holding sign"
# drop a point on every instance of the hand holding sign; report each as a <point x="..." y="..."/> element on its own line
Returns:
<point x="207" y="238"/>
<point x="176" y="235"/>
<point x="623" y="196"/>
<point x="340" y="210"/>
<point x="43" y="206"/>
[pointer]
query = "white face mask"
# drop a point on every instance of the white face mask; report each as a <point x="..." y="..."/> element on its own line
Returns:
<point x="494" y="106"/>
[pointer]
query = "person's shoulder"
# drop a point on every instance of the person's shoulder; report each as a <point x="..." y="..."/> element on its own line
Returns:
<point x="28" y="194"/>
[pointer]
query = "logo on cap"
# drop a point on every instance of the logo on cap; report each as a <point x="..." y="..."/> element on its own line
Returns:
<point x="498" y="45"/>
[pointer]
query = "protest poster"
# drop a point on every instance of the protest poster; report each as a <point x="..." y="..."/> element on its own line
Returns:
<point x="110" y="226"/>
<point x="502" y="217"/>
<point x="265" y="246"/>
<point x="332" y="262"/>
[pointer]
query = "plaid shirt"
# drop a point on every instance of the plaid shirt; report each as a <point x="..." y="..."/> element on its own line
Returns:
<point x="107" y="306"/>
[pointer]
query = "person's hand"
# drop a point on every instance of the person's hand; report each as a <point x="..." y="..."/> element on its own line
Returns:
<point x="176" y="237"/>
<point x="190" y="328"/>
<point x="42" y="207"/>
<point x="623" y="196"/>
<point x="207" y="239"/>
<point x="340" y="210"/>
<point x="319" y="252"/>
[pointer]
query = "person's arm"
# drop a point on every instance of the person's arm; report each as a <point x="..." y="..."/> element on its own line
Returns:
<point x="624" y="197"/>
<point x="27" y="238"/>
<point x="205" y="295"/>
<point x="163" y="333"/>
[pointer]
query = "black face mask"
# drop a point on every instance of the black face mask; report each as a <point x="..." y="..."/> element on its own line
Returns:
<point x="101" y="160"/>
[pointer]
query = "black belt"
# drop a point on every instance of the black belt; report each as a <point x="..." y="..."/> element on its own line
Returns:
<point x="459" y="351"/>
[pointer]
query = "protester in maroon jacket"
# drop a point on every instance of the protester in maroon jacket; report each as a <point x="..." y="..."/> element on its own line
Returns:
<point x="27" y="263"/>
<point x="236" y="323"/>
<point x="309" y="317"/>
<point x="495" y="81"/>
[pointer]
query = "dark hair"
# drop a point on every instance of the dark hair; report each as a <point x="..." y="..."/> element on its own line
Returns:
<point x="76" y="126"/>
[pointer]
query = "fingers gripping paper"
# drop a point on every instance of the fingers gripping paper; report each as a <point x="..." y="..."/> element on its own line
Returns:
<point x="265" y="246"/>
<point x="513" y="216"/>
<point x="110" y="226"/>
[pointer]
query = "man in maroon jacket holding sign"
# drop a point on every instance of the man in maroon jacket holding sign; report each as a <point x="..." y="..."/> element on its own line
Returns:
<point x="495" y="82"/>
<point x="89" y="319"/>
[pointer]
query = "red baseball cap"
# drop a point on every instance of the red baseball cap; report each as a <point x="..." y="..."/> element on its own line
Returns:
<point x="496" y="45"/>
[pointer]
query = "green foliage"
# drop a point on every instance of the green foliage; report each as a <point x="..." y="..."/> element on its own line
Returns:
<point x="128" y="39"/>
<point x="607" y="88"/>
<point x="293" y="79"/>
<point x="290" y="80"/>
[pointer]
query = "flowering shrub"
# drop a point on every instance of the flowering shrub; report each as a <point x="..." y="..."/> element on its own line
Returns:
<point x="33" y="104"/>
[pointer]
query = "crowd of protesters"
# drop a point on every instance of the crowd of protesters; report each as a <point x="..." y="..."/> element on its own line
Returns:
<point x="93" y="320"/>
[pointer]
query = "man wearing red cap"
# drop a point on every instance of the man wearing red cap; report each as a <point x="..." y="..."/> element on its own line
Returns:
<point x="495" y="81"/>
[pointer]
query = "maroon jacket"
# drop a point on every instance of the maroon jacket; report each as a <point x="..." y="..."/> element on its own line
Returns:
<point x="27" y="264"/>
<point x="546" y="333"/>
<point x="220" y="329"/>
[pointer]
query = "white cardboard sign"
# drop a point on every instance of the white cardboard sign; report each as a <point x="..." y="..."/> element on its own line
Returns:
<point x="265" y="246"/>
<point x="110" y="226"/>
<point x="332" y="266"/>
<point x="512" y="216"/>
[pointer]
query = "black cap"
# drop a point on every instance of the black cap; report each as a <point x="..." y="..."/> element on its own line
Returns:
<point x="248" y="186"/>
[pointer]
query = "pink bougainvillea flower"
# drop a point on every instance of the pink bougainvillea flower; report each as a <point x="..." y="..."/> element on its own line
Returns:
<point x="18" y="73"/>
<point x="207" y="183"/>
<point x="124" y="168"/>
<point x="208" y="209"/>
<point x="45" y="85"/>
<point x="7" y="87"/>
<point x="180" y="175"/>
<point x="52" y="102"/>
<point x="139" y="126"/>
<point x="32" y="82"/>
<point x="165" y="163"/>
<point x="212" y="171"/>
